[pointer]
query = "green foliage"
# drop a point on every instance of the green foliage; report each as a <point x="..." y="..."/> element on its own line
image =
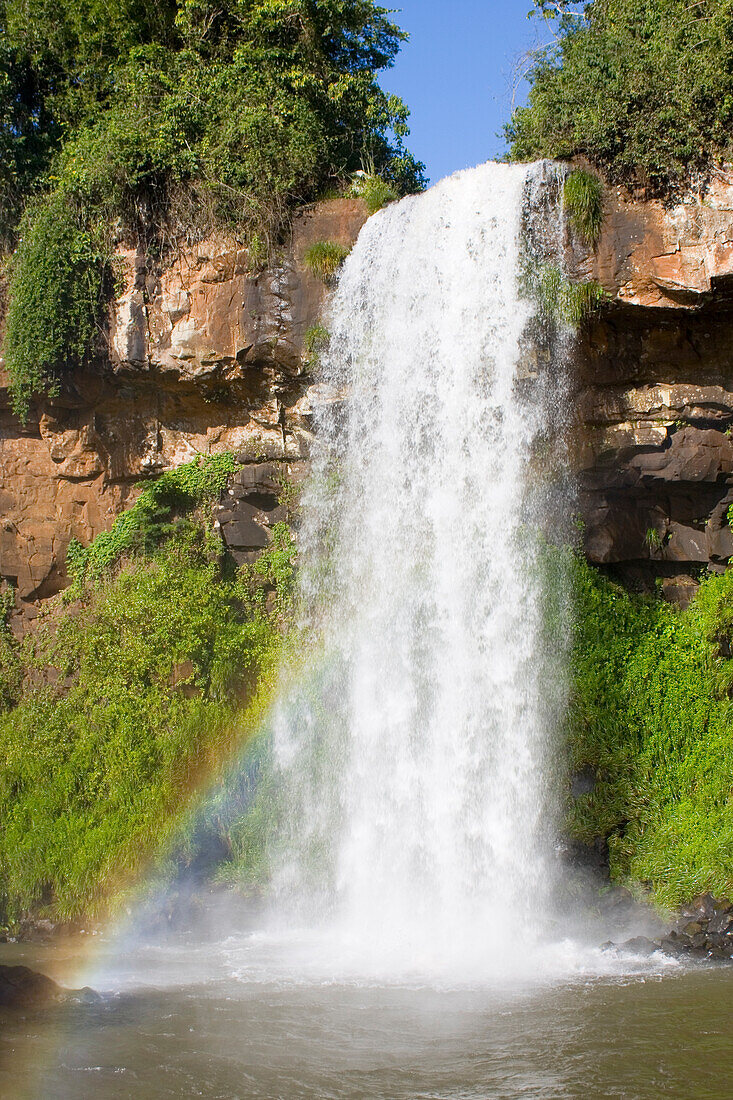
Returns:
<point x="324" y="259"/>
<point x="317" y="339"/>
<point x="653" y="539"/>
<point x="151" y="518"/>
<point x="233" y="109"/>
<point x="375" y="191"/>
<point x="583" y="200"/>
<point x="165" y="121"/>
<point x="100" y="768"/>
<point x="652" y="715"/>
<point x="273" y="574"/>
<point x="7" y="603"/>
<point x="643" y="88"/>
<point x="11" y="676"/>
<point x="57" y="297"/>
<point x="289" y="496"/>
<point x="558" y="300"/>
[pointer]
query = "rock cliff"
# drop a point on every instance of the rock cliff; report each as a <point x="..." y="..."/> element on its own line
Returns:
<point x="206" y="356"/>
<point x="653" y="400"/>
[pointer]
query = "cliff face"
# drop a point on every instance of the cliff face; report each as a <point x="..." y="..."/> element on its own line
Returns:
<point x="653" y="403"/>
<point x="205" y="356"/>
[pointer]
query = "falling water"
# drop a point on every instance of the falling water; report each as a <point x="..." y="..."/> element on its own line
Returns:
<point x="415" y="761"/>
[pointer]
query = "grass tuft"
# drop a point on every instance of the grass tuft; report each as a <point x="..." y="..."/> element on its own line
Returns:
<point x="375" y="191"/>
<point x="324" y="258"/>
<point x="558" y="300"/>
<point x="583" y="200"/>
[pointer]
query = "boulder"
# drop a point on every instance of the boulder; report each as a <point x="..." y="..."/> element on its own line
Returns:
<point x="21" y="987"/>
<point x="639" y="945"/>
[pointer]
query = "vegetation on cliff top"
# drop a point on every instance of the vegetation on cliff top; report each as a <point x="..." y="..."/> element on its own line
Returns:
<point x="122" y="705"/>
<point x="244" y="104"/>
<point x="642" y="88"/>
<point x="166" y="120"/>
<point x="651" y="717"/>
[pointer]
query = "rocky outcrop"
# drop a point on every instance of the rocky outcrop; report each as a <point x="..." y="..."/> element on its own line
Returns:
<point x="653" y="404"/>
<point x="205" y="355"/>
<point x="21" y="987"/>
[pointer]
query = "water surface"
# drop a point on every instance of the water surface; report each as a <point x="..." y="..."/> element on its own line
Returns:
<point x="222" y="1020"/>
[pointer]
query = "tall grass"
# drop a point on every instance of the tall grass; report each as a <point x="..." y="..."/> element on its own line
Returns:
<point x="583" y="201"/>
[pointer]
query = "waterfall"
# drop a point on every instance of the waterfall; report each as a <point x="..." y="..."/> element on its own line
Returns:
<point x="414" y="758"/>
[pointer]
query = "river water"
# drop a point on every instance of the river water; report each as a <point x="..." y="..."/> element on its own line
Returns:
<point x="226" y="1020"/>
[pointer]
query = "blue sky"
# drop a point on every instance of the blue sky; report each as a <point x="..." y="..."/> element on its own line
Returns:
<point x="455" y="75"/>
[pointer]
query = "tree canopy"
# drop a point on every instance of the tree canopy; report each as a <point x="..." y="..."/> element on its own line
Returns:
<point x="164" y="118"/>
<point x="643" y="88"/>
<point x="253" y="102"/>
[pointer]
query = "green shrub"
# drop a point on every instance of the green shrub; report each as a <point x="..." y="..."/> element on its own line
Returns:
<point x="583" y="200"/>
<point x="375" y="191"/>
<point x="58" y="282"/>
<point x="100" y="769"/>
<point x="152" y="517"/>
<point x="316" y="341"/>
<point x="324" y="258"/>
<point x="642" y="88"/>
<point x="651" y="715"/>
<point x="558" y="300"/>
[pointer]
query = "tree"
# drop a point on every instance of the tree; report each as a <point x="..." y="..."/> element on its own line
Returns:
<point x="643" y="88"/>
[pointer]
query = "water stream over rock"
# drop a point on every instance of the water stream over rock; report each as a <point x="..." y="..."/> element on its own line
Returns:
<point x="416" y="763"/>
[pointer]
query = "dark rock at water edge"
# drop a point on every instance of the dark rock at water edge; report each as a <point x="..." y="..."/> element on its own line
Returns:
<point x="704" y="930"/>
<point x="23" y="988"/>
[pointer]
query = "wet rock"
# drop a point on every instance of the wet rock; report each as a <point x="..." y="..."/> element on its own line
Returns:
<point x="674" y="946"/>
<point x="245" y="533"/>
<point x="592" y="858"/>
<point x="680" y="590"/>
<point x="582" y="782"/>
<point x="703" y="907"/>
<point x="639" y="945"/>
<point x="704" y="931"/>
<point x="720" y="923"/>
<point x="21" y="987"/>
<point x="692" y="928"/>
